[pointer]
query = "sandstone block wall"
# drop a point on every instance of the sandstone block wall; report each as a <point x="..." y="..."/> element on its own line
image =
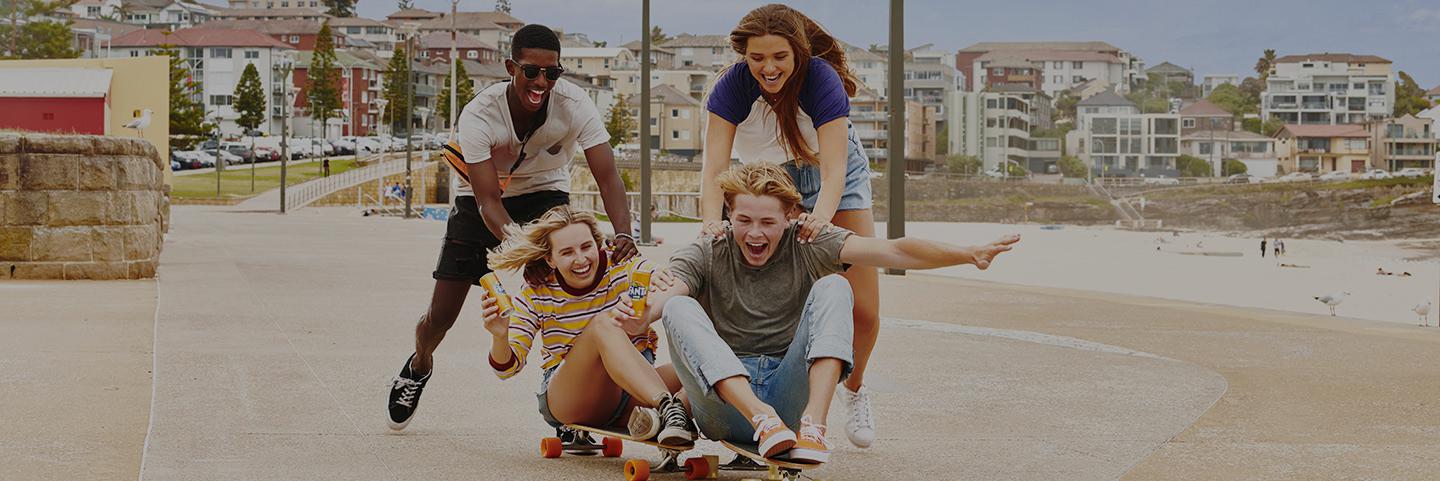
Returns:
<point x="80" y="207"/>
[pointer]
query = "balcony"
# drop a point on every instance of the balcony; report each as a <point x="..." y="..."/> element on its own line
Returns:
<point x="1284" y="106"/>
<point x="868" y="116"/>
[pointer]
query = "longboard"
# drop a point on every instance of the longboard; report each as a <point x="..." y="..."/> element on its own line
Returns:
<point x="780" y="469"/>
<point x="611" y="446"/>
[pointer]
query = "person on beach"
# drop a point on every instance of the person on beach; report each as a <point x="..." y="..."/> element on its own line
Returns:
<point x="516" y="142"/>
<point x="598" y="352"/>
<point x="1262" y="247"/>
<point x="787" y="102"/>
<point x="760" y="358"/>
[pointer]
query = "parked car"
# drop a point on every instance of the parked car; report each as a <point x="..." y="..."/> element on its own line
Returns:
<point x="1296" y="177"/>
<point x="343" y="146"/>
<point x="1161" y="180"/>
<point x="1411" y="172"/>
<point x="239" y="150"/>
<point x="370" y="145"/>
<point x="1242" y="179"/>
<point x="1335" y="175"/>
<point x="199" y="159"/>
<point x="1375" y="174"/>
<point x="175" y="165"/>
<point x="266" y="154"/>
<point x="231" y="159"/>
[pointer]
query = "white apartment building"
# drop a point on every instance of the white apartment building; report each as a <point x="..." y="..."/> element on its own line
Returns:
<point x="598" y="63"/>
<point x="316" y="5"/>
<point x="930" y="78"/>
<point x="166" y="14"/>
<point x="691" y="81"/>
<point x="1114" y="139"/>
<point x="995" y="126"/>
<point x="1329" y="89"/>
<point x="216" y="58"/>
<point x="705" y="51"/>
<point x="868" y="67"/>
<point x="96" y="9"/>
<point x="1063" y="64"/>
<point x="380" y="34"/>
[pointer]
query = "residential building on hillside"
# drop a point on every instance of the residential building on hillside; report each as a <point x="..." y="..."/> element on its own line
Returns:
<point x="660" y="57"/>
<point x="493" y="28"/>
<point x="598" y="63"/>
<point x="706" y="51"/>
<point x="382" y="35"/>
<point x="411" y="15"/>
<point x="94" y="36"/>
<point x="436" y="46"/>
<point x="996" y="125"/>
<point x="216" y="58"/>
<point x="94" y="9"/>
<point x="930" y="78"/>
<point x="869" y="115"/>
<point x="1399" y="143"/>
<point x="1063" y="64"/>
<point x="677" y="121"/>
<point x="300" y="34"/>
<point x="692" y="81"/>
<point x="1005" y="70"/>
<point x="484" y="74"/>
<point x="296" y="13"/>
<point x="1329" y="89"/>
<point x="1115" y="139"/>
<point x="868" y="67"/>
<point x="316" y="5"/>
<point x="1210" y="82"/>
<point x="166" y="14"/>
<point x="1433" y="95"/>
<point x="1432" y="113"/>
<point x="1318" y="149"/>
<point x="361" y="86"/>
<point x="1256" y="151"/>
<point x="1203" y="115"/>
<point x="1169" y="72"/>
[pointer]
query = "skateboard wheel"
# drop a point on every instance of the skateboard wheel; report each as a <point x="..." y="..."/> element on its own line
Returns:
<point x="696" y="468"/>
<point x="613" y="447"/>
<point x="636" y="469"/>
<point x="551" y="447"/>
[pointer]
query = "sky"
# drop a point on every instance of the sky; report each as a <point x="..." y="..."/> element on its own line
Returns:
<point x="1208" y="37"/>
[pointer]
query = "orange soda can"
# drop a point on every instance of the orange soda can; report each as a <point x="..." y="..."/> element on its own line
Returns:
<point x="639" y="290"/>
<point x="493" y="288"/>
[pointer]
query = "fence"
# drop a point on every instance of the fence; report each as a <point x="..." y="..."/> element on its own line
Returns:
<point x="301" y="195"/>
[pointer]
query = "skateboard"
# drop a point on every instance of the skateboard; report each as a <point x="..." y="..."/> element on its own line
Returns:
<point x="583" y="443"/>
<point x="748" y="458"/>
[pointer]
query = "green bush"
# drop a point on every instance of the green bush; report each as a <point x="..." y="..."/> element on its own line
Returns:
<point x="1231" y="167"/>
<point x="1015" y="170"/>
<point x="1192" y="166"/>
<point x="963" y="164"/>
<point x="1072" y="167"/>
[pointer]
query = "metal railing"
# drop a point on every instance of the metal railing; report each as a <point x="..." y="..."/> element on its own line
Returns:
<point x="678" y="204"/>
<point x="301" y="195"/>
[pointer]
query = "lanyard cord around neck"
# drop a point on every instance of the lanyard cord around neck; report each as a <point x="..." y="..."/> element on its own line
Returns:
<point x="535" y="123"/>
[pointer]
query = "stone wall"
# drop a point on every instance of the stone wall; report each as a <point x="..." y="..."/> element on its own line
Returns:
<point x="80" y="207"/>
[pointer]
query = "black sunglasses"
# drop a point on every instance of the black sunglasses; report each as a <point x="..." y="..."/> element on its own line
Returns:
<point x="531" y="71"/>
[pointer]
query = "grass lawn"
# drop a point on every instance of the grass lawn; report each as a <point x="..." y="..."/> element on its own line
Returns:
<point x="235" y="181"/>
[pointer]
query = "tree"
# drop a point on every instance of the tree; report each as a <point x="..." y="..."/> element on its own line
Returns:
<point x="1192" y="166"/>
<point x="1065" y="105"/>
<point x="38" y="38"/>
<point x="963" y="164"/>
<point x="187" y="115"/>
<point x="1264" y="64"/>
<point x="395" y="75"/>
<point x="1229" y="97"/>
<point x="250" y="99"/>
<point x="1229" y="167"/>
<point x="340" y="8"/>
<point x="404" y="4"/>
<point x="657" y="36"/>
<point x="1409" y="96"/>
<point x="463" y="85"/>
<point x="1072" y="167"/>
<point x="1268" y="127"/>
<point x="324" y="94"/>
<point x="502" y="6"/>
<point x="1252" y="88"/>
<point x="619" y="123"/>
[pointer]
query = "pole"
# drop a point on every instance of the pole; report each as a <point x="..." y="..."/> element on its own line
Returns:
<point x="895" y="226"/>
<point x="645" y="124"/>
<point x="285" y="132"/>
<point x="219" y="162"/>
<point x="409" y="107"/>
<point x="454" y="60"/>
<point x="253" y="159"/>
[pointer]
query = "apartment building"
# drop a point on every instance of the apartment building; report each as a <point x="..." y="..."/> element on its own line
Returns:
<point x="1063" y="64"/>
<point x="294" y="13"/>
<point x="677" y="121"/>
<point x="599" y="63"/>
<point x="315" y="5"/>
<point x="868" y="67"/>
<point x="705" y="51"/>
<point x="216" y="58"/>
<point x="1116" y="140"/>
<point x="300" y="34"/>
<point x="94" y="9"/>
<point x="492" y="28"/>
<point x="361" y="86"/>
<point x="1399" y="143"/>
<point x="1256" y="151"/>
<point x="1209" y="83"/>
<point x="1329" y="89"/>
<point x="869" y="114"/>
<point x="1318" y="149"/>
<point x="930" y="78"/>
<point x="435" y="46"/>
<point x="381" y="35"/>
<point x="660" y="57"/>
<point x="166" y="14"/>
<point x="693" y="81"/>
<point x="1203" y="115"/>
<point x="995" y="126"/>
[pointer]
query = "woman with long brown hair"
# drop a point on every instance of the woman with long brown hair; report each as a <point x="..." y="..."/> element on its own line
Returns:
<point x="787" y="102"/>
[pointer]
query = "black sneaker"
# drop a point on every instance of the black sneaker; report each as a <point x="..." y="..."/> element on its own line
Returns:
<point x="405" y="395"/>
<point x="676" y="423"/>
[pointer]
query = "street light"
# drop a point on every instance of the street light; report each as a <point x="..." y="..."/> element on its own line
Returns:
<point x="290" y="92"/>
<point x="410" y="30"/>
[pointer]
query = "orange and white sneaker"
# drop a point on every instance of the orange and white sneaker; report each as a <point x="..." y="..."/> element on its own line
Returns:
<point x="812" y="447"/>
<point x="771" y="435"/>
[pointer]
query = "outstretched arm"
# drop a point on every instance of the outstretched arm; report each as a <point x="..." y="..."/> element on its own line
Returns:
<point x="910" y="253"/>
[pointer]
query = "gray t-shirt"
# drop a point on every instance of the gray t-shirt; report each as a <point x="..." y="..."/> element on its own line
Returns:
<point x="756" y="309"/>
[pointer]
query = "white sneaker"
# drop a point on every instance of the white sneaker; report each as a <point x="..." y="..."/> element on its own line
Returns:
<point x="860" y="429"/>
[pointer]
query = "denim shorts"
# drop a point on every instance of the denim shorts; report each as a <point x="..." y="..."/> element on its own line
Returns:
<point x="856" y="195"/>
<point x="614" y="418"/>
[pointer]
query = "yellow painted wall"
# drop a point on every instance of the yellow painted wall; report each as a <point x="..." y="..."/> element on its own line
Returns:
<point x="137" y="83"/>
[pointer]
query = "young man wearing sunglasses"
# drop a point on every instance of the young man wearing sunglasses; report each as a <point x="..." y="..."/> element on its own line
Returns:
<point x="516" y="140"/>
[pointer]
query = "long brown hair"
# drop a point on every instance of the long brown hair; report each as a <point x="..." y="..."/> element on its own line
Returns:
<point x="526" y="247"/>
<point x="807" y="39"/>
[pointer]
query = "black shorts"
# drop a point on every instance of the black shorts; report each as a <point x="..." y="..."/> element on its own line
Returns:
<point x="463" y="256"/>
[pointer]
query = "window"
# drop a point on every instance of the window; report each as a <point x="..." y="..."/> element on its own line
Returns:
<point x="674" y="113"/>
<point x="134" y="53"/>
<point x="607" y="63"/>
<point x="92" y="10"/>
<point x="1059" y="79"/>
<point x="1358" y="86"/>
<point x="991" y="103"/>
<point x="220" y="52"/>
<point x="424" y="54"/>
<point x="1077" y="65"/>
<point x="1206" y="148"/>
<point x="654" y="121"/>
<point x="997" y="72"/>
<point x="472" y="54"/>
<point x="1075" y="79"/>
<point x="1103" y="126"/>
<point x="285" y="4"/>
<point x="252" y="54"/>
<point x="991" y="142"/>
<point x="1057" y="65"/>
<point x="294" y="39"/>
<point x="685" y="114"/>
<point x="220" y="100"/>
<point x="1189" y="123"/>
<point x="675" y="135"/>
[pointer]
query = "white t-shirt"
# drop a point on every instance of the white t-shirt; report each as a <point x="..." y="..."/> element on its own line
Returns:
<point x="487" y="133"/>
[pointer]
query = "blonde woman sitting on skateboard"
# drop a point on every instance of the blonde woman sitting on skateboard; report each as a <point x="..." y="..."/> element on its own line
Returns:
<point x="598" y="353"/>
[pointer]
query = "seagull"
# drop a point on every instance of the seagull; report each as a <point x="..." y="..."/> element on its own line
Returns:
<point x="1333" y="300"/>
<point x="1423" y="310"/>
<point x="140" y="123"/>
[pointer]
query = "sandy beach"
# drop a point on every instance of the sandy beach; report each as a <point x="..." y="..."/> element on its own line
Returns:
<point x="1127" y="262"/>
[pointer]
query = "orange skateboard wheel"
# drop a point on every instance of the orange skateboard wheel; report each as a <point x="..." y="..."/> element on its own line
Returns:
<point x="551" y="447"/>
<point x="696" y="468"/>
<point x="636" y="469"/>
<point x="613" y="447"/>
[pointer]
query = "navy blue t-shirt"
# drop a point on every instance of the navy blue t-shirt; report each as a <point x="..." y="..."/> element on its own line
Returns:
<point x="736" y="97"/>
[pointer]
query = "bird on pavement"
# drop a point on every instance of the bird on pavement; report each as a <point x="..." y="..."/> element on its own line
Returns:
<point x="1332" y="300"/>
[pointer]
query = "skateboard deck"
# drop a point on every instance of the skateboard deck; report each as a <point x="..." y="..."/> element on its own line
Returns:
<point x="611" y="446"/>
<point x="780" y="469"/>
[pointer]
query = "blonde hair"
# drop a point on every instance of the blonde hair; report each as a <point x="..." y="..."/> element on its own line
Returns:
<point x="528" y="246"/>
<point x="759" y="180"/>
<point x="807" y="39"/>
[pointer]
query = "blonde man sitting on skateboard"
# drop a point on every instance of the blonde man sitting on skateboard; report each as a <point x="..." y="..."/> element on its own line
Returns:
<point x="760" y="360"/>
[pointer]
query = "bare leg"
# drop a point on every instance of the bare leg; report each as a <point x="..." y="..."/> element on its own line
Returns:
<point x="445" y="304"/>
<point x="824" y="374"/>
<point x="601" y="364"/>
<point x="865" y="282"/>
<point x="736" y="392"/>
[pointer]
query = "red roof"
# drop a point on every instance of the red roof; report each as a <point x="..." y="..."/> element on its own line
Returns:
<point x="1434" y="91"/>
<point x="1326" y="131"/>
<point x="198" y="37"/>
<point x="1203" y="108"/>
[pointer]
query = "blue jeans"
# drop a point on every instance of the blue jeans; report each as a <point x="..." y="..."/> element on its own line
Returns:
<point x="702" y="358"/>
<point x="856" y="196"/>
